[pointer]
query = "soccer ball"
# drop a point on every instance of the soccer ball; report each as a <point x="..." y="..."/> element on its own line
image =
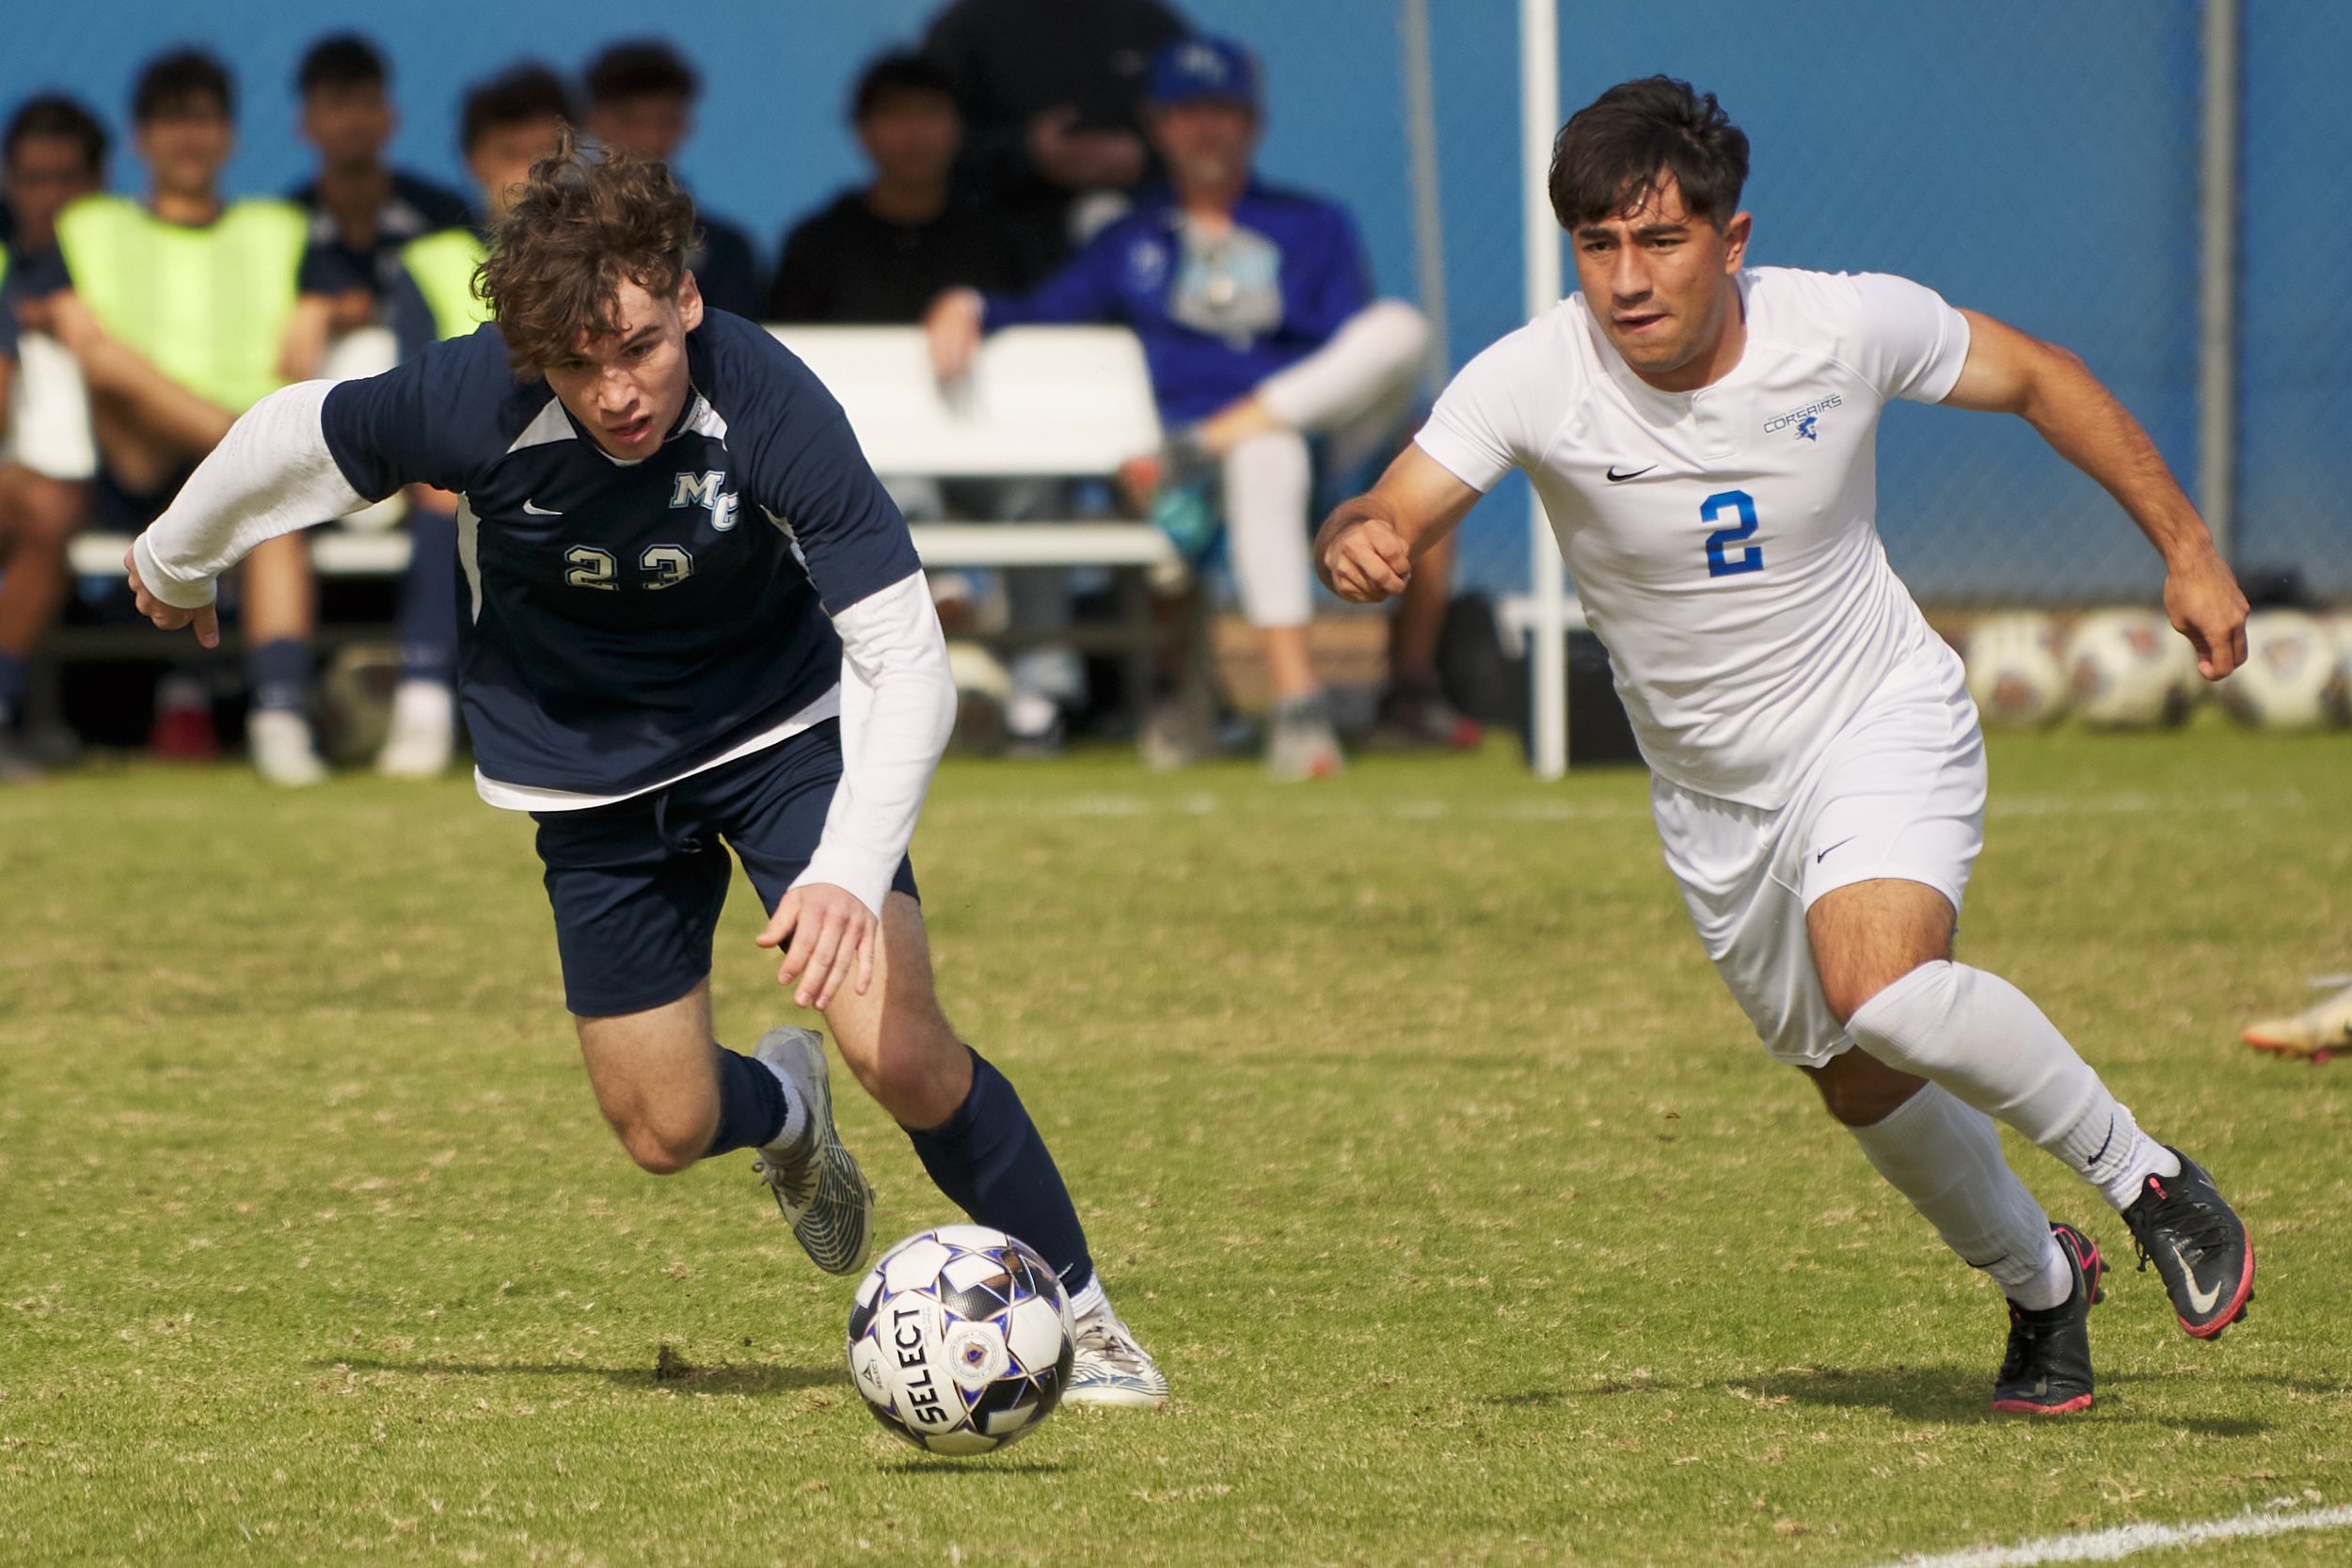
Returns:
<point x="2014" y="670"/>
<point x="2130" y="670"/>
<point x="960" y="1339"/>
<point x="2293" y="677"/>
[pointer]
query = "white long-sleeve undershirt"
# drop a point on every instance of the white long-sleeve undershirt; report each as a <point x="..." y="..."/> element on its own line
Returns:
<point x="898" y="706"/>
<point x="270" y="475"/>
<point x="274" y="473"/>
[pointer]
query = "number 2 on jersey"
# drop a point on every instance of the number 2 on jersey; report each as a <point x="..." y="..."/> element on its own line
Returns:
<point x="1751" y="557"/>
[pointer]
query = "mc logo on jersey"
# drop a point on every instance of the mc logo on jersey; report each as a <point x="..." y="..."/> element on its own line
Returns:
<point x="703" y="490"/>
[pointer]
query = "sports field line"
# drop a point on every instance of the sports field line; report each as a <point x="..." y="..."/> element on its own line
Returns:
<point x="2122" y="1540"/>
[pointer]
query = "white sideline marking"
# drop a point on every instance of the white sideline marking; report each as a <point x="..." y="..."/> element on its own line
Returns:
<point x="2107" y="1545"/>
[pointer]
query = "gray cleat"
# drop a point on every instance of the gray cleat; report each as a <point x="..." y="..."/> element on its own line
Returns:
<point x="1111" y="1369"/>
<point x="824" y="1197"/>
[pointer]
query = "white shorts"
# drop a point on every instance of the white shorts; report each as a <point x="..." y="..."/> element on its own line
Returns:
<point x="1898" y="793"/>
<point x="46" y="425"/>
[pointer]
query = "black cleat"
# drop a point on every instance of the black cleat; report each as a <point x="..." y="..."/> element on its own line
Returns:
<point x="2199" y="1246"/>
<point x="2046" y="1370"/>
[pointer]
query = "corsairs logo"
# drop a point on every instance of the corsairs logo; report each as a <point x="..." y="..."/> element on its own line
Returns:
<point x="703" y="490"/>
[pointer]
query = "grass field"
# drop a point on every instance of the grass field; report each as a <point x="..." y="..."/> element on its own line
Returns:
<point x="1412" y="1131"/>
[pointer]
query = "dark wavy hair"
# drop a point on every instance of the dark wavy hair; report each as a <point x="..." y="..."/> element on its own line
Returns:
<point x="584" y="223"/>
<point x="1614" y="151"/>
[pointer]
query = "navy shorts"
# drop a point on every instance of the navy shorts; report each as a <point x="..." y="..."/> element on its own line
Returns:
<point x="637" y="885"/>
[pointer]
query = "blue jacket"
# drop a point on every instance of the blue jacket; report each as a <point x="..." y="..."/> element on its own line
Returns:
<point x="1215" y="321"/>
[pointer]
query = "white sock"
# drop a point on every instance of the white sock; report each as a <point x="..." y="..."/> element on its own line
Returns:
<point x="795" y="1111"/>
<point x="1946" y="1158"/>
<point x="1089" y="1301"/>
<point x="1984" y="1039"/>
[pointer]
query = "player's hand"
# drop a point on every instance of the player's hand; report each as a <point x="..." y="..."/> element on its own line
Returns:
<point x="833" y="935"/>
<point x="1363" y="560"/>
<point x="2201" y="597"/>
<point x="953" y="327"/>
<point x="204" y="618"/>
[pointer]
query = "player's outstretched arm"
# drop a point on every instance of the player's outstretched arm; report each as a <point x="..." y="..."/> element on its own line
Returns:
<point x="898" y="707"/>
<point x="270" y="475"/>
<point x="2008" y="371"/>
<point x="1365" y="550"/>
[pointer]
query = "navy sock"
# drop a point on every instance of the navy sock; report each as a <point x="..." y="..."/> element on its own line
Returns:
<point x="991" y="1160"/>
<point x="12" y="679"/>
<point x="751" y="1105"/>
<point x="428" y="598"/>
<point x="279" y="672"/>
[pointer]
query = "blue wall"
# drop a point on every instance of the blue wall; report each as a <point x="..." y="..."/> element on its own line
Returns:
<point x="2034" y="160"/>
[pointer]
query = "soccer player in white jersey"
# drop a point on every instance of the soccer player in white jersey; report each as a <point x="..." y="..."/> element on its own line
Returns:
<point x="1700" y="433"/>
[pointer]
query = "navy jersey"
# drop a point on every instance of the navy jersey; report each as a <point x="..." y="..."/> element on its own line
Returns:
<point x="625" y="624"/>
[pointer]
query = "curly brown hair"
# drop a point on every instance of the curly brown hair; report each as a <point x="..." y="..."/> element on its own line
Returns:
<point x="584" y="223"/>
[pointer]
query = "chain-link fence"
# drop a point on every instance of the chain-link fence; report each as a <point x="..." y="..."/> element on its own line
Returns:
<point x="2038" y="160"/>
<point x="2295" y="312"/>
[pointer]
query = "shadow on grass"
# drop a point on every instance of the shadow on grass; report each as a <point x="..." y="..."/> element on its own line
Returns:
<point x="715" y="1380"/>
<point x="1953" y="1396"/>
<point x="980" y="1465"/>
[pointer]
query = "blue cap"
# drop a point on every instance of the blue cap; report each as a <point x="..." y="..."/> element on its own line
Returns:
<point x="1193" y="67"/>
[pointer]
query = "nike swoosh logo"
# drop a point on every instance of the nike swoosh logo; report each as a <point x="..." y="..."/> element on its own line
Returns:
<point x="540" y="511"/>
<point x="1834" y="847"/>
<point x="2204" y="1300"/>
<point x="1616" y="477"/>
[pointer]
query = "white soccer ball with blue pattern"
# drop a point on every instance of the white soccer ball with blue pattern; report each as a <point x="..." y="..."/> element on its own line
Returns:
<point x="2294" y="674"/>
<point x="2130" y="670"/>
<point x="2014" y="670"/>
<point x="960" y="1339"/>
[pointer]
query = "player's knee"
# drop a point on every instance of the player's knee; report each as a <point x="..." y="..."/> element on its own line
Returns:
<point x="46" y="523"/>
<point x="1902" y="1019"/>
<point x="664" y="1140"/>
<point x="1858" y="1090"/>
<point x="918" y="1070"/>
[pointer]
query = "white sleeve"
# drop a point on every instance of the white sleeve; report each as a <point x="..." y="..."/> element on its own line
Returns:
<point x="1480" y="429"/>
<point x="898" y="706"/>
<point x="271" y="475"/>
<point x="1909" y="344"/>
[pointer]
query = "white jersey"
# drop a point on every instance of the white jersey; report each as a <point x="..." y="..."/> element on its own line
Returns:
<point x="1724" y="541"/>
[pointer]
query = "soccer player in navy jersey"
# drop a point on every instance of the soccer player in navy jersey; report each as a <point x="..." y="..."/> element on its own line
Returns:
<point x="693" y="619"/>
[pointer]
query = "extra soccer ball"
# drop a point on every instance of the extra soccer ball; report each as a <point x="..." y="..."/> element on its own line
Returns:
<point x="960" y="1339"/>
<point x="2293" y="677"/>
<point x="2014" y="670"/>
<point x="2130" y="670"/>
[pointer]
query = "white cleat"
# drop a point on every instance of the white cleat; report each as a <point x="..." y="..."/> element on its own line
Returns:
<point x="824" y="1197"/>
<point x="2318" y="1033"/>
<point x="423" y="733"/>
<point x="1111" y="1369"/>
<point x="282" y="748"/>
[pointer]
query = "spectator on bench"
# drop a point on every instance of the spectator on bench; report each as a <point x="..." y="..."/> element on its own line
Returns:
<point x="1050" y="92"/>
<point x="180" y="311"/>
<point x="641" y="96"/>
<point x="53" y="152"/>
<point x="1258" y="322"/>
<point x="878" y="255"/>
<point x="361" y="210"/>
<point x="365" y="219"/>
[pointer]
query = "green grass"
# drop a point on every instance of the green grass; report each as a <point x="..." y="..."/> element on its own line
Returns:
<point x="1411" y="1129"/>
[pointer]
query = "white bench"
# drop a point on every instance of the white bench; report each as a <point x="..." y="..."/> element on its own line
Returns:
<point x="1050" y="402"/>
